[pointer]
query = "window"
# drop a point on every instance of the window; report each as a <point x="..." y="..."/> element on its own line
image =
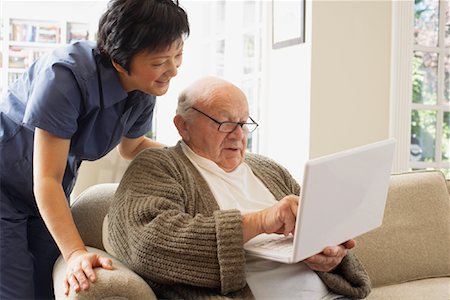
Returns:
<point x="430" y="107"/>
<point x="231" y="44"/>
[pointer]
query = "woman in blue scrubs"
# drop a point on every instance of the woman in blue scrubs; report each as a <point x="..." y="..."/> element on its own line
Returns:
<point x="76" y="104"/>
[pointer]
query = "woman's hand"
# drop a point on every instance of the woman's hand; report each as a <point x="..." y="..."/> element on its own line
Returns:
<point x="80" y="270"/>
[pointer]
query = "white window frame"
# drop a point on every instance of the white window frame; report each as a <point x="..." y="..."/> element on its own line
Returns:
<point x="401" y="87"/>
<point x="233" y="58"/>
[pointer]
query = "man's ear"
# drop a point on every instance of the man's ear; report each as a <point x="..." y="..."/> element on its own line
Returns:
<point x="181" y="125"/>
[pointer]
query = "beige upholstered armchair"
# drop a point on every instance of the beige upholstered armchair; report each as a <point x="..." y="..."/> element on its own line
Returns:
<point x="89" y="210"/>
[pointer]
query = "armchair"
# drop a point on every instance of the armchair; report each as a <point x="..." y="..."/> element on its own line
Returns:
<point x="89" y="210"/>
<point x="408" y="257"/>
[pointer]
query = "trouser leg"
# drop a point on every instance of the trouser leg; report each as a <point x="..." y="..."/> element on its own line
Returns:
<point x="16" y="262"/>
<point x="45" y="252"/>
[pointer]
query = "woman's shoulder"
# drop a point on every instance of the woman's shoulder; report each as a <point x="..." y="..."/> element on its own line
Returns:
<point x="77" y="58"/>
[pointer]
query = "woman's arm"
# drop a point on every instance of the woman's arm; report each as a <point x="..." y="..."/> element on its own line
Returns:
<point x="129" y="148"/>
<point x="49" y="163"/>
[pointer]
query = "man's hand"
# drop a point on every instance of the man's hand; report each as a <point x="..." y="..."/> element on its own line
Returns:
<point x="80" y="270"/>
<point x="279" y="218"/>
<point x="330" y="257"/>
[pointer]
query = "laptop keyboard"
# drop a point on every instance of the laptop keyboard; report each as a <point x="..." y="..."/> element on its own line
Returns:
<point x="279" y="244"/>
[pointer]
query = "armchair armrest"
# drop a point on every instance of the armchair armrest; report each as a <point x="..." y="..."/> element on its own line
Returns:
<point x="119" y="283"/>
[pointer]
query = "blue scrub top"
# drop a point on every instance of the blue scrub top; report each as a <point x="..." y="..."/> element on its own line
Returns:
<point x="73" y="95"/>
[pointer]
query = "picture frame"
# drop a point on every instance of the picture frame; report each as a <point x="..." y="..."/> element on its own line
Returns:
<point x="288" y="23"/>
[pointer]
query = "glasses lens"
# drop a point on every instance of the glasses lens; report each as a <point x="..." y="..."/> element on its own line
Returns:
<point x="250" y="127"/>
<point x="227" y="127"/>
<point x="230" y="127"/>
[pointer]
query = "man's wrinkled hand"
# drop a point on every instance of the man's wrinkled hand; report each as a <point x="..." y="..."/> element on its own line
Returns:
<point x="280" y="218"/>
<point x="330" y="257"/>
<point x="80" y="270"/>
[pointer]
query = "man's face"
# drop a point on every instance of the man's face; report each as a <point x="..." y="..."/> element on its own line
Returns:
<point x="227" y="150"/>
<point x="150" y="72"/>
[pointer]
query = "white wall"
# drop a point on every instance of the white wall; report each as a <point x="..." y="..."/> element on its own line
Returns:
<point x="332" y="92"/>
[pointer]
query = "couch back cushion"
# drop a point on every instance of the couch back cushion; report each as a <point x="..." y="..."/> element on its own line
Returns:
<point x="414" y="240"/>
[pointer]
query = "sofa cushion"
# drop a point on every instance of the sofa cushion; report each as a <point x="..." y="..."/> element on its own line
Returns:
<point x="414" y="240"/>
<point x="424" y="289"/>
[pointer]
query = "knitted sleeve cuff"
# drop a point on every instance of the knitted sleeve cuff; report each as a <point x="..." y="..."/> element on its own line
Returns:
<point x="230" y="250"/>
<point x="348" y="279"/>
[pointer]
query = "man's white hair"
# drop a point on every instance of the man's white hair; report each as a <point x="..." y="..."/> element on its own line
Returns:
<point x="199" y="91"/>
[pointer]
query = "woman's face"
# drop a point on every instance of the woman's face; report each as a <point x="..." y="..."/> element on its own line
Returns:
<point x="150" y="72"/>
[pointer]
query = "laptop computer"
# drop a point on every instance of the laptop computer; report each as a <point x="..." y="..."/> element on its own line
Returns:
<point x="343" y="196"/>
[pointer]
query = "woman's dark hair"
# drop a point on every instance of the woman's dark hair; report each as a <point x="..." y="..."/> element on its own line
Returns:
<point x="130" y="26"/>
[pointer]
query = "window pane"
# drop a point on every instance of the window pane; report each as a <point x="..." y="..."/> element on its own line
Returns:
<point x="447" y="25"/>
<point x="426" y="22"/>
<point x="208" y="9"/>
<point x="1" y="30"/>
<point x="220" y="57"/>
<point x="249" y="13"/>
<point x="446" y="137"/>
<point x="425" y="77"/>
<point x="248" y="88"/>
<point x="249" y="53"/>
<point x="446" y="173"/>
<point x="423" y="135"/>
<point x="220" y="20"/>
<point x="447" y="80"/>
<point x="260" y="50"/>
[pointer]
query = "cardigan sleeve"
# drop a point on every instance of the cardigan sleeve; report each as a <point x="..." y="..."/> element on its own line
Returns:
<point x="349" y="278"/>
<point x="150" y="230"/>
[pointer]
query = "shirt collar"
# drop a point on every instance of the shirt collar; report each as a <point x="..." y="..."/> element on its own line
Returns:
<point x="207" y="164"/>
<point x="111" y="88"/>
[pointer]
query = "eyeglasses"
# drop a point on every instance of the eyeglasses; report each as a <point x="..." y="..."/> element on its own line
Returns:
<point x="231" y="126"/>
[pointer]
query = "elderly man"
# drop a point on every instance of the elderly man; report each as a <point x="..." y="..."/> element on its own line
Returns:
<point x="181" y="215"/>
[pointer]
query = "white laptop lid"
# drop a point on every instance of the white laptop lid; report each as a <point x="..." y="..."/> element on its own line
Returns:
<point x="343" y="196"/>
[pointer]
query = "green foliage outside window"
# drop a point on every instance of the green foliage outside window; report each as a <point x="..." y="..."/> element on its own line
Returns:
<point x="424" y="91"/>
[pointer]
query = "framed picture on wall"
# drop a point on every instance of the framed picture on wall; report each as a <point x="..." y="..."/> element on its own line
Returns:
<point x="288" y="23"/>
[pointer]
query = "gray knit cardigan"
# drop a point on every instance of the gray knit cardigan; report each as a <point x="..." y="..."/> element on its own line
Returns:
<point x="166" y="225"/>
